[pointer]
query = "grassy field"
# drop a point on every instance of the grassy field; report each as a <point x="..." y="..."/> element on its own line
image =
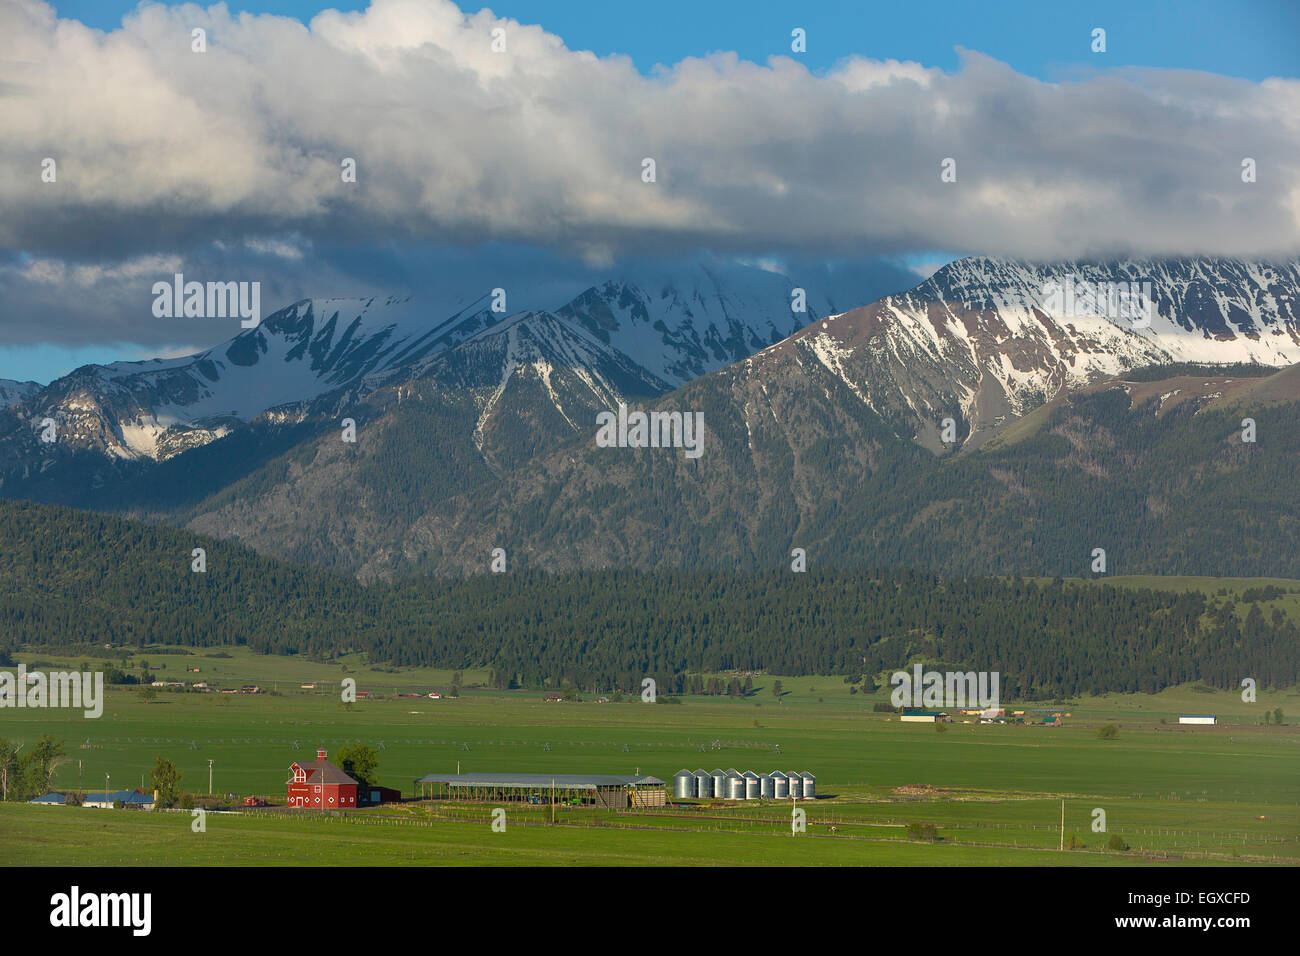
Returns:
<point x="1179" y="794"/>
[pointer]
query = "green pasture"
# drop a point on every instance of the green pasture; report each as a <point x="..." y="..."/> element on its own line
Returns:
<point x="1187" y="794"/>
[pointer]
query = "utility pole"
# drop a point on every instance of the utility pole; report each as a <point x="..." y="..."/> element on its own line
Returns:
<point x="106" y="800"/>
<point x="79" y="777"/>
<point x="1062" y="824"/>
<point x="552" y="801"/>
<point x="209" y="776"/>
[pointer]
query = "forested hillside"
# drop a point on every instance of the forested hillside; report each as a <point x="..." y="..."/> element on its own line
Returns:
<point x="78" y="581"/>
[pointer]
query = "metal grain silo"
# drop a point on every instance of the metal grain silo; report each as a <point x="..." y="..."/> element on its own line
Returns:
<point x="703" y="785"/>
<point x="809" y="786"/>
<point x="753" y="788"/>
<point x="719" y="778"/>
<point x="780" y="785"/>
<point x="767" y="788"/>
<point x="796" y="783"/>
<point x="683" y="785"/>
<point x="735" y="786"/>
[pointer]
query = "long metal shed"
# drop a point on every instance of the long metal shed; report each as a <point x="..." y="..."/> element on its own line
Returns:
<point x="603" y="790"/>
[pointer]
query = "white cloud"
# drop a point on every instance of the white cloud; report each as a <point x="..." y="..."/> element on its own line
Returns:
<point x="160" y="148"/>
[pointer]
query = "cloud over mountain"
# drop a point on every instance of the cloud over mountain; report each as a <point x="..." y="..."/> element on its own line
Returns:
<point x="160" y="145"/>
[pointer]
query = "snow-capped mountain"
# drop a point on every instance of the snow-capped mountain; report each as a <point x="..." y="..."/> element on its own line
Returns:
<point x="980" y="342"/>
<point x="12" y="392"/>
<point x="650" y="333"/>
<point x="157" y="408"/>
<point x="681" y="327"/>
<point x="984" y="340"/>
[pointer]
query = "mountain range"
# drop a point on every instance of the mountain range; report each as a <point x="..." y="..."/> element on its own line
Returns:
<point x="824" y="429"/>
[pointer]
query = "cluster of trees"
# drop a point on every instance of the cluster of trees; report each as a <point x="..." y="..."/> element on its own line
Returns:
<point x="360" y="762"/>
<point x="26" y="773"/>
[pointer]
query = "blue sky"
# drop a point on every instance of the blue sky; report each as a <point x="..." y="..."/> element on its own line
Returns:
<point x="1252" y="39"/>
<point x="479" y="169"/>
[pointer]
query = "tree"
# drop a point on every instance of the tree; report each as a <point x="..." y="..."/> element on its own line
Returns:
<point x="1108" y="732"/>
<point x="45" y="757"/>
<point x="776" y="689"/>
<point x="1116" y="842"/>
<point x="13" y="767"/>
<point x="359" y="762"/>
<point x="166" y="779"/>
<point x="1277" y="716"/>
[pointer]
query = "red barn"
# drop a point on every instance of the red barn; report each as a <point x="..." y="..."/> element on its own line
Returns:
<point x="320" y="785"/>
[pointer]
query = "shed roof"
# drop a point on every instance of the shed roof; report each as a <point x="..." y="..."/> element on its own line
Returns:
<point x="561" y="781"/>
<point x="126" y="796"/>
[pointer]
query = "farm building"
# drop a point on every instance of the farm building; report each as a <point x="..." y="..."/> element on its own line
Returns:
<point x="319" y="785"/>
<point x="703" y="784"/>
<point x="780" y="785"/>
<point x="581" y="789"/>
<point x="50" y="800"/>
<point x="128" y="798"/>
<point x="684" y="787"/>
<point x="719" y="778"/>
<point x="809" y="786"/>
<point x="1198" y="719"/>
<point x="925" y="717"/>
<point x="374" y="795"/>
<point x="735" y="786"/>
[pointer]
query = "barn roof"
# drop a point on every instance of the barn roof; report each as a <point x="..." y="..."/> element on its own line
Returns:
<point x="327" y="771"/>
